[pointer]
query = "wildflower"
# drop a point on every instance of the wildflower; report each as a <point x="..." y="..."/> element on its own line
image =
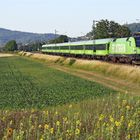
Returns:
<point x="77" y="131"/>
<point x="101" y="117"/>
<point x="65" y="119"/>
<point x="21" y="124"/>
<point x="122" y="118"/>
<point x="129" y="136"/>
<point x="32" y="127"/>
<point x="70" y="106"/>
<point x="111" y="119"/>
<point x="32" y="111"/>
<point x="40" y="126"/>
<point x="78" y="122"/>
<point x="111" y="128"/>
<point x="105" y="124"/>
<point x="11" y="122"/>
<point x="69" y="133"/>
<point x="117" y="123"/>
<point x="124" y="102"/>
<point x="41" y="139"/>
<point x="52" y="130"/>
<point x="46" y="112"/>
<point x="46" y="126"/>
<point x="57" y="123"/>
<point x="10" y="132"/>
<point x="18" y="137"/>
<point x="56" y="113"/>
<point x="127" y="107"/>
<point x="130" y="124"/>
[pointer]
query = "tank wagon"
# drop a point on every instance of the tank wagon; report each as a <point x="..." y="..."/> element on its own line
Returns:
<point x="125" y="50"/>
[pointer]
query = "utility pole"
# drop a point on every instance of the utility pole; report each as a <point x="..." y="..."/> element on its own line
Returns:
<point x="55" y="35"/>
<point x="94" y="24"/>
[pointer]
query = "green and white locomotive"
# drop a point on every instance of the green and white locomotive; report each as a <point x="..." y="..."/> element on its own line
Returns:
<point x="126" y="50"/>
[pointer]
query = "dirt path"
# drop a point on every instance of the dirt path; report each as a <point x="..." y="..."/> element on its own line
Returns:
<point x="116" y="84"/>
<point x="6" y="55"/>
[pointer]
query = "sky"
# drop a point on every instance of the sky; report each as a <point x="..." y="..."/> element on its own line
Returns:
<point x="70" y="17"/>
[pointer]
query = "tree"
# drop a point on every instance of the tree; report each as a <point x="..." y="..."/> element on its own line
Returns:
<point x="11" y="46"/>
<point x="60" y="39"/>
<point x="109" y="29"/>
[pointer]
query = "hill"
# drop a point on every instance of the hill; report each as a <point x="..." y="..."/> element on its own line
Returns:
<point x="23" y="37"/>
<point x="134" y="27"/>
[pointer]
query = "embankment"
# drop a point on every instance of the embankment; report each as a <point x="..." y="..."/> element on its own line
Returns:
<point x="122" y="74"/>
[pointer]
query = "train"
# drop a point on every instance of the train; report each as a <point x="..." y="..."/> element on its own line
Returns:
<point x="123" y="50"/>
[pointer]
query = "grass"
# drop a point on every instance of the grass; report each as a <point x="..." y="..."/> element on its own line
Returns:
<point x="109" y="118"/>
<point x="25" y="83"/>
<point x="124" y="72"/>
<point x="40" y="103"/>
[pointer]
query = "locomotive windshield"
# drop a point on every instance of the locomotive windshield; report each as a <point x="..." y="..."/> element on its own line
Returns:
<point x="137" y="41"/>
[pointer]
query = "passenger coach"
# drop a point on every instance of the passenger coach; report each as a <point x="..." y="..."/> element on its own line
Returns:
<point x="126" y="50"/>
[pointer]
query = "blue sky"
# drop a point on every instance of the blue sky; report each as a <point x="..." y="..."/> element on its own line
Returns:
<point x="70" y="17"/>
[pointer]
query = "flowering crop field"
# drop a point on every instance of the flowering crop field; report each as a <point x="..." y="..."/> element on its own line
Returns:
<point x="40" y="103"/>
<point x="115" y="117"/>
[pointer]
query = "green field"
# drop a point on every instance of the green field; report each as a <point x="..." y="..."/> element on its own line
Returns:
<point x="41" y="103"/>
<point x="26" y="83"/>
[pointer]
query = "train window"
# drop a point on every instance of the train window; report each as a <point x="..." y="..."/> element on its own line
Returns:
<point x="137" y="41"/>
<point x="56" y="48"/>
<point x="49" y="48"/>
<point x="64" y="47"/>
<point x="76" y="47"/>
<point x="100" y="47"/>
<point x="90" y="47"/>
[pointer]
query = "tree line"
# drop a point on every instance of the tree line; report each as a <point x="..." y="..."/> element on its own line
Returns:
<point x="103" y="29"/>
<point x="109" y="29"/>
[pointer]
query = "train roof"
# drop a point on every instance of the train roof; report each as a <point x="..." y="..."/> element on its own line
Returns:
<point x="78" y="43"/>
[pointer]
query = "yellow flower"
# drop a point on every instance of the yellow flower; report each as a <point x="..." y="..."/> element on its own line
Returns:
<point x="127" y="107"/>
<point x="78" y="122"/>
<point x="128" y="136"/>
<point x="67" y="122"/>
<point x="11" y="122"/>
<point x="111" y="119"/>
<point x="41" y="139"/>
<point x="9" y="132"/>
<point x="69" y="133"/>
<point x="52" y="130"/>
<point x="77" y="131"/>
<point x="32" y="127"/>
<point x="130" y="124"/>
<point x="46" y="126"/>
<point x="65" y="119"/>
<point x="46" y="112"/>
<point x="40" y="126"/>
<point x="21" y="124"/>
<point x="56" y="113"/>
<point x="18" y="137"/>
<point x="70" y="106"/>
<point x="122" y="118"/>
<point x="111" y="128"/>
<point x="32" y="111"/>
<point x="101" y="117"/>
<point x="124" y="102"/>
<point x="117" y="123"/>
<point x="57" y="123"/>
